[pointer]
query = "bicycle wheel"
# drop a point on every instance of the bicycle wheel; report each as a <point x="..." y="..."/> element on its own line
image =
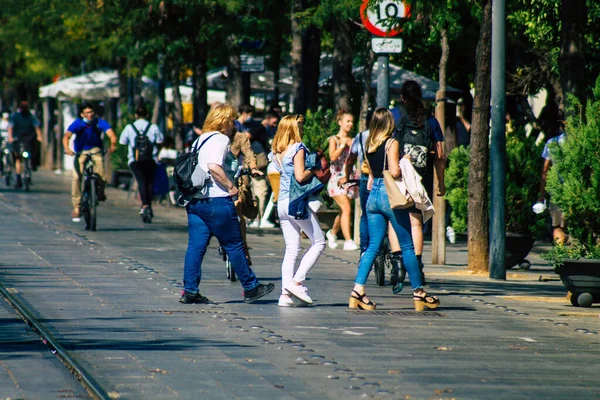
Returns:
<point x="379" y="267"/>
<point x="85" y="207"/>
<point x="27" y="178"/>
<point x="93" y="201"/>
<point x="230" y="271"/>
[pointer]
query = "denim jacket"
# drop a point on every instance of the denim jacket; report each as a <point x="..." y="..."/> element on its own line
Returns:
<point x="300" y="192"/>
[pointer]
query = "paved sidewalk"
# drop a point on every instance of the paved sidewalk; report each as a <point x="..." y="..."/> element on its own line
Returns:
<point x="111" y="298"/>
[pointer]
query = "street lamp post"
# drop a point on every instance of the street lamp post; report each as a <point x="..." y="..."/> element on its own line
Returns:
<point x="498" y="145"/>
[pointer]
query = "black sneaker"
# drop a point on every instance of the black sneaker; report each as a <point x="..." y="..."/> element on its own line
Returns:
<point x="101" y="195"/>
<point x="260" y="291"/>
<point x="193" y="298"/>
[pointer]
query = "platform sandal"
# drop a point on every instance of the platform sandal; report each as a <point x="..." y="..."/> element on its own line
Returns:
<point x="357" y="302"/>
<point x="423" y="300"/>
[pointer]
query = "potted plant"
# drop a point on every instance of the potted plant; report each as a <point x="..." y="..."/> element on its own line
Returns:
<point x="574" y="184"/>
<point x="523" y="167"/>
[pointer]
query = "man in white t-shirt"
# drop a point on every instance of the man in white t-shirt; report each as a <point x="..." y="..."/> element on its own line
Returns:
<point x="142" y="139"/>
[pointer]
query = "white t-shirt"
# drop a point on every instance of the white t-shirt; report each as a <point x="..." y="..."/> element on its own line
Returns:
<point x="128" y="137"/>
<point x="213" y="152"/>
<point x="4" y="128"/>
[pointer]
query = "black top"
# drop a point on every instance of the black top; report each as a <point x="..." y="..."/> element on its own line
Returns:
<point x="376" y="160"/>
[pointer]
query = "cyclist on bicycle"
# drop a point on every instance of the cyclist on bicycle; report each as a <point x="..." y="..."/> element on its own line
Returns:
<point x="23" y="130"/>
<point x="88" y="131"/>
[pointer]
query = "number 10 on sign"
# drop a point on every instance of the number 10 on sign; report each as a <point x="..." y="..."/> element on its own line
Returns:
<point x="379" y="19"/>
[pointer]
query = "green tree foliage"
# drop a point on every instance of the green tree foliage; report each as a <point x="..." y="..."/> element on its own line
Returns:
<point x="523" y="167"/>
<point x="574" y="178"/>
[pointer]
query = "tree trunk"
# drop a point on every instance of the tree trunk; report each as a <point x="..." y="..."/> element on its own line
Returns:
<point x="177" y="131"/>
<point x="123" y="81"/>
<point x="478" y="219"/>
<point x="234" y="74"/>
<point x="200" y="87"/>
<point x="438" y="231"/>
<point x="365" y="100"/>
<point x="573" y="15"/>
<point x="311" y="62"/>
<point x="343" y="39"/>
<point x="297" y="72"/>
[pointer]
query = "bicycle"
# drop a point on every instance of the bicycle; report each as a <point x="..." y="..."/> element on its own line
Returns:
<point x="7" y="163"/>
<point x="24" y="151"/>
<point x="386" y="260"/>
<point x="89" y="191"/>
<point x="228" y="267"/>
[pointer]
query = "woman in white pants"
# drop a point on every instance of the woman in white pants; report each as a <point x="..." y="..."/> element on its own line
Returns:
<point x="289" y="154"/>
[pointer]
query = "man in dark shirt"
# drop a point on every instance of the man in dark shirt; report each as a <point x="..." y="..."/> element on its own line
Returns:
<point x="463" y="126"/>
<point x="23" y="130"/>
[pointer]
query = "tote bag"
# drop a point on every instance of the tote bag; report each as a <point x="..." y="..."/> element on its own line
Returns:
<point x="397" y="199"/>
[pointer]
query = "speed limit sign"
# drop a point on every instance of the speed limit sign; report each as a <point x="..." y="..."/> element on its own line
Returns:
<point x="377" y="19"/>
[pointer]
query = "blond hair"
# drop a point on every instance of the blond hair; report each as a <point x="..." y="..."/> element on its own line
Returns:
<point x="288" y="132"/>
<point x="220" y="118"/>
<point x="381" y="128"/>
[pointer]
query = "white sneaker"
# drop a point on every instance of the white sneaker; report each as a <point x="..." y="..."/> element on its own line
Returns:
<point x="266" y="224"/>
<point x="299" y="291"/>
<point x="254" y="224"/>
<point x="286" y="301"/>
<point x="331" y="240"/>
<point x="451" y="235"/>
<point x="350" y="245"/>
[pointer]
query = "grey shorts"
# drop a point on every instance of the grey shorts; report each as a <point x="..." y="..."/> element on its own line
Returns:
<point x="557" y="216"/>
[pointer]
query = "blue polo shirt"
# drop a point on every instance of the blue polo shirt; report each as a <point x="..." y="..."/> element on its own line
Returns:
<point x="88" y="136"/>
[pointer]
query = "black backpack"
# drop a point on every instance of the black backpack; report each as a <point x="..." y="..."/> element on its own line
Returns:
<point x="185" y="165"/>
<point x="415" y="140"/>
<point x="143" y="147"/>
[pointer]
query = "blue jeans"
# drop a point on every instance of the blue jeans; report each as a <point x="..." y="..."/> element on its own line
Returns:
<point x="214" y="217"/>
<point x="379" y="213"/>
<point x="364" y="222"/>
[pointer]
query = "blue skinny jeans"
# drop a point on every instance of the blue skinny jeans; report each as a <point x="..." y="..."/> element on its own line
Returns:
<point x="379" y="213"/>
<point x="214" y="217"/>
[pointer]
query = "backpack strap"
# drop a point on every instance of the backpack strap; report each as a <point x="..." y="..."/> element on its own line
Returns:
<point x="137" y="132"/>
<point x="197" y="149"/>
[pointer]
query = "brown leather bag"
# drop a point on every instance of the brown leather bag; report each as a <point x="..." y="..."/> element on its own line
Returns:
<point x="248" y="202"/>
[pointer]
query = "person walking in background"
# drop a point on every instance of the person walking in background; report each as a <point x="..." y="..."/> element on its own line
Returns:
<point x="463" y="125"/>
<point x="553" y="144"/>
<point x="88" y="140"/>
<point x="257" y="134"/>
<point x="142" y="138"/>
<point x="289" y="154"/>
<point x="339" y="150"/>
<point x="270" y="121"/>
<point x="212" y="212"/>
<point x="383" y="153"/>
<point x="421" y="137"/>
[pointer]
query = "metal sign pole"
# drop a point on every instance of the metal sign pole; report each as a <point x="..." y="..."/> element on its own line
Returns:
<point x="383" y="67"/>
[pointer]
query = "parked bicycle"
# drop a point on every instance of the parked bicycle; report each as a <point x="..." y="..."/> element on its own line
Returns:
<point x="89" y="191"/>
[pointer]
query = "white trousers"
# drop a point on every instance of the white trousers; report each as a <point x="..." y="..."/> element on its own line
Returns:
<point x="291" y="235"/>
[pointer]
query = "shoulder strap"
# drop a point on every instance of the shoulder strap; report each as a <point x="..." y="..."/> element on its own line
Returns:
<point x="147" y="128"/>
<point x="195" y="150"/>
<point x="387" y="147"/>
<point x="360" y="141"/>
<point x="137" y="132"/>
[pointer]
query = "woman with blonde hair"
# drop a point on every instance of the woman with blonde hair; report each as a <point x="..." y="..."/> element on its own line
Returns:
<point x="339" y="151"/>
<point x="383" y="153"/>
<point x="212" y="212"/>
<point x="289" y="154"/>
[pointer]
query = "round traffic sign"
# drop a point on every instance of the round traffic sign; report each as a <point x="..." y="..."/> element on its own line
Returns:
<point x="377" y="19"/>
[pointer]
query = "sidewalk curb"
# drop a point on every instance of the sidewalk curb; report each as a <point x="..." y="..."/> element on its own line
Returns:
<point x="80" y="373"/>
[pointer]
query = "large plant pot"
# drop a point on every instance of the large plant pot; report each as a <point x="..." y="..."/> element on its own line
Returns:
<point x="517" y="248"/>
<point x="582" y="279"/>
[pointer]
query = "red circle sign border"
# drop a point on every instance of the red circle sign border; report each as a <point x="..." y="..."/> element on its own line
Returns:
<point x="372" y="28"/>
